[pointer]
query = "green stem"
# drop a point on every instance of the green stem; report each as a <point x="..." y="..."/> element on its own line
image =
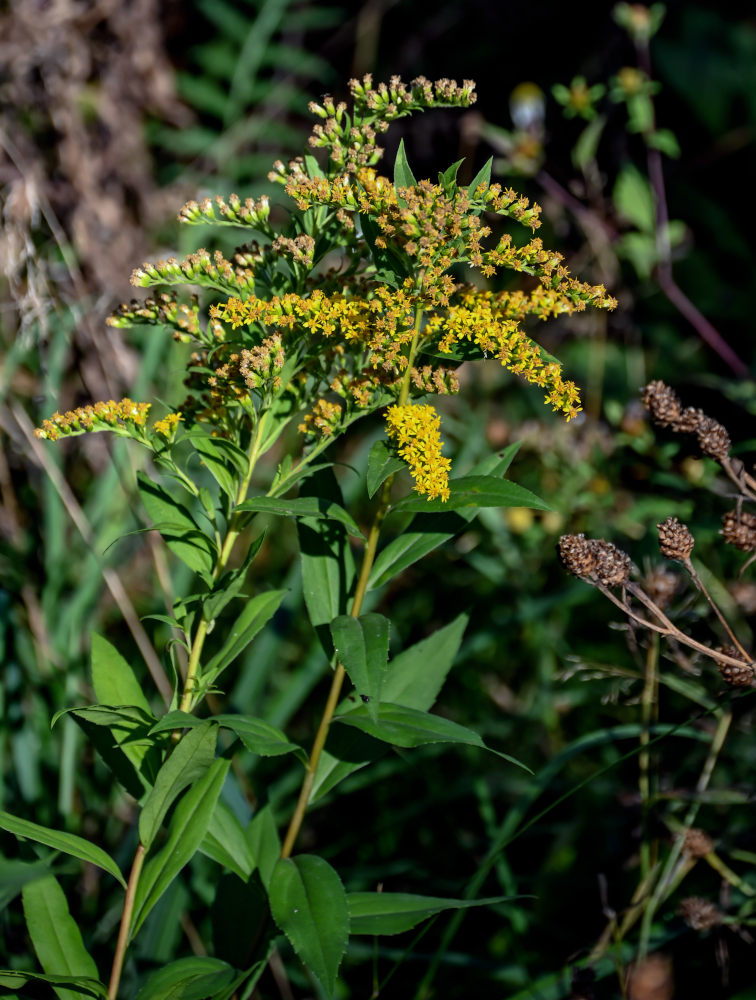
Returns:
<point x="359" y="595"/>
<point x="667" y="879"/>
<point x="123" y="931"/>
<point x="192" y="670"/>
<point x="648" y="706"/>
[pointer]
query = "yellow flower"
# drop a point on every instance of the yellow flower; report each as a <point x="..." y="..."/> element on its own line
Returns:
<point x="167" y="426"/>
<point x="415" y="432"/>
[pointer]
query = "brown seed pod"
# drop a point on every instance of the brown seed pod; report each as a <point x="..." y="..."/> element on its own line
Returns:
<point x="691" y="418"/>
<point x="735" y="676"/>
<point x="700" y="914"/>
<point x="612" y="564"/>
<point x="578" y="554"/>
<point x="713" y="439"/>
<point x="739" y="529"/>
<point x="662" y="402"/>
<point x="675" y="539"/>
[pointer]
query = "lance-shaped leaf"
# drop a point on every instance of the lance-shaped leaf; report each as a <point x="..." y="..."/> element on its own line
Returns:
<point x="226" y="843"/>
<point x="75" y="986"/>
<point x="361" y="645"/>
<point x="475" y="491"/>
<point x="428" y="531"/>
<point x="68" y="843"/>
<point x="256" y="734"/>
<point x="310" y="507"/>
<point x="262" y="836"/>
<point x="188" y="762"/>
<point x="381" y="464"/>
<point x="394" y="912"/>
<point x="403" y="176"/>
<point x="407" y="727"/>
<point x="55" y="934"/>
<point x="414" y="678"/>
<point x="195" y="978"/>
<point x="187" y="830"/>
<point x="308" y="902"/>
<point x="177" y="526"/>
<point x="257" y="612"/>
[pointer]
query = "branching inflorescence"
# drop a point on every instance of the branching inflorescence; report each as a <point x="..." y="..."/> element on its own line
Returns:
<point x="355" y="302"/>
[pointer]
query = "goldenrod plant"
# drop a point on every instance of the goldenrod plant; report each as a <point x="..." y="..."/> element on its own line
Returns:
<point x="364" y="296"/>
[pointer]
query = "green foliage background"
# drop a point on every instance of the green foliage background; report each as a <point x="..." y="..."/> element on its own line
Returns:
<point x="541" y="668"/>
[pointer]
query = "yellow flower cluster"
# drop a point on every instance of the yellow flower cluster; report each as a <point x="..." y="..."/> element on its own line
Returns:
<point x="324" y="418"/>
<point x="167" y="426"/>
<point x="477" y="321"/>
<point x="124" y="414"/>
<point x="415" y="431"/>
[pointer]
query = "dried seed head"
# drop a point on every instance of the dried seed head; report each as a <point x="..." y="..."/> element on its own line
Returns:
<point x="734" y="675"/>
<point x="651" y="979"/>
<point x="612" y="564"/>
<point x="691" y="418"/>
<point x="660" y="585"/>
<point x="662" y="402"/>
<point x="713" y="439"/>
<point x="697" y="844"/>
<point x="700" y="914"/>
<point x="675" y="540"/>
<point x="577" y="554"/>
<point x="739" y="529"/>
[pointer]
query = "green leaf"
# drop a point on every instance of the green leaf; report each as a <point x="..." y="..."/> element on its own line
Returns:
<point x="475" y="491"/>
<point x="394" y="912"/>
<point x="15" y="874"/>
<point x="309" y="905"/>
<point x="634" y="199"/>
<point x="113" y="679"/>
<point x="55" y="934"/>
<point x="416" y="675"/>
<point x="310" y="507"/>
<point x="587" y="144"/>
<point x="264" y="842"/>
<point x="188" y="762"/>
<point x="220" y="457"/>
<point x="187" y="830"/>
<point x="408" y="727"/>
<point x="257" y="612"/>
<point x="381" y="464"/>
<point x="362" y="646"/>
<point x="403" y="176"/>
<point x="79" y="986"/>
<point x="665" y="141"/>
<point x="226" y="843"/>
<point x="426" y="533"/>
<point x="177" y="526"/>
<point x="68" y="843"/>
<point x="195" y="978"/>
<point x="413" y="543"/>
<point x="448" y="178"/>
<point x="228" y="586"/>
<point x="483" y="176"/>
<point x="258" y="735"/>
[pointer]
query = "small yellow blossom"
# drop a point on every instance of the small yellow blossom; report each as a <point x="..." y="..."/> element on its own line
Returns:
<point x="415" y="431"/>
<point x="167" y="426"/>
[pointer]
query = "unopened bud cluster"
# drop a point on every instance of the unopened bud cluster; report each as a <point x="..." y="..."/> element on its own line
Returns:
<point x="233" y="212"/>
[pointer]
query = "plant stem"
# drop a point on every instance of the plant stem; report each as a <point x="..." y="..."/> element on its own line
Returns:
<point x="359" y="595"/>
<point x="123" y="932"/>
<point x="648" y="707"/>
<point x="667" y="878"/>
<point x="232" y="534"/>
